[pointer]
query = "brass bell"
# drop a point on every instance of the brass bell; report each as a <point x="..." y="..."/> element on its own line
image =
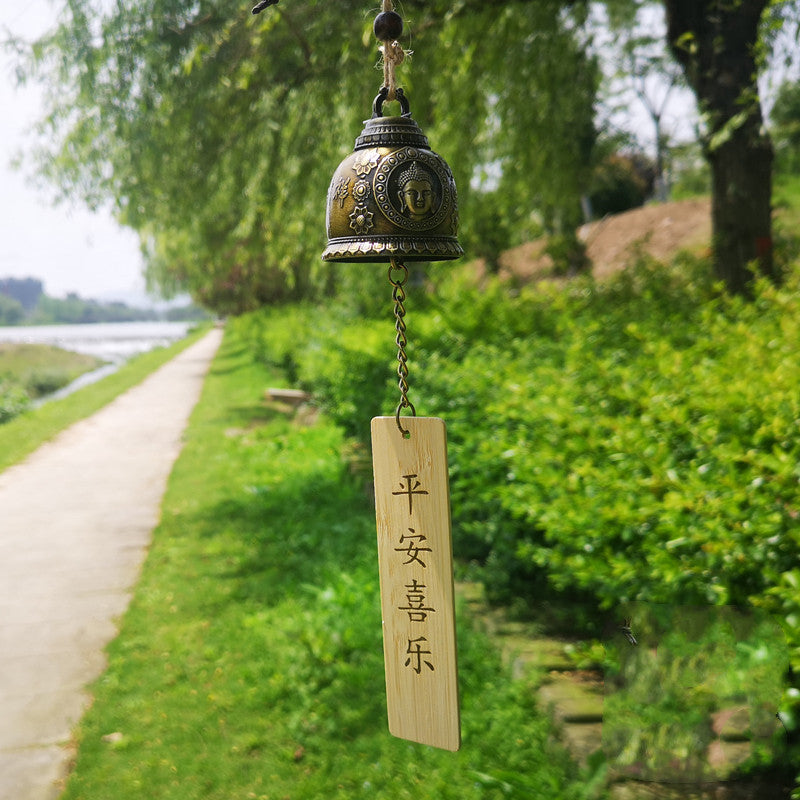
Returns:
<point x="392" y="197"/>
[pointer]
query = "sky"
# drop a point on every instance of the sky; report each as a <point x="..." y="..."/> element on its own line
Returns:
<point x="68" y="248"/>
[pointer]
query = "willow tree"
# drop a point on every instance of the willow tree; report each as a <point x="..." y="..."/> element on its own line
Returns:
<point x="206" y="130"/>
<point x="214" y="133"/>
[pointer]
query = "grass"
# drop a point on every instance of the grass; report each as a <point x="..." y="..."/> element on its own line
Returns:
<point x="249" y="664"/>
<point x="23" y="434"/>
<point x="41" y="368"/>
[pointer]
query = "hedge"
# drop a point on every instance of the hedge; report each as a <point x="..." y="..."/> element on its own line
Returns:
<point x="632" y="440"/>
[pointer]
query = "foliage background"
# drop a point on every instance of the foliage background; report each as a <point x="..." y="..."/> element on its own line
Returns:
<point x="633" y="440"/>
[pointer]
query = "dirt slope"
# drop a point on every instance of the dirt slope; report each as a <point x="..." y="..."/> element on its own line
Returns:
<point x="660" y="230"/>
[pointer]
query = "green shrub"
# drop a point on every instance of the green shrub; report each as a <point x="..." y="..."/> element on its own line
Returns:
<point x="632" y="440"/>
<point x="635" y="440"/>
<point x="276" y="336"/>
<point x="568" y="253"/>
<point x="346" y="367"/>
<point x="350" y="373"/>
<point x="13" y="401"/>
<point x="620" y="182"/>
<point x="42" y="382"/>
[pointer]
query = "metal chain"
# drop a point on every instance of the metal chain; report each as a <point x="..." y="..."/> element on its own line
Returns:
<point x="398" y="296"/>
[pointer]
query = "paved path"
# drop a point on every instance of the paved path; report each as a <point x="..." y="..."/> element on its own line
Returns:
<point x="75" y="523"/>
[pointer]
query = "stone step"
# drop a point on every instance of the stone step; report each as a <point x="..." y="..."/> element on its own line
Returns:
<point x="572" y="700"/>
<point x="292" y="397"/>
<point x="525" y="654"/>
<point x="724" y="757"/>
<point x="717" y="790"/>
<point x="639" y="790"/>
<point x="582" y="739"/>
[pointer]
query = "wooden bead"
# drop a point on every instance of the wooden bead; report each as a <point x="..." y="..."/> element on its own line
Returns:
<point x="388" y="26"/>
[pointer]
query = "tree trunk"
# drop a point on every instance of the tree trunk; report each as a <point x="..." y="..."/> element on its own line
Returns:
<point x="715" y="43"/>
<point x="741" y="179"/>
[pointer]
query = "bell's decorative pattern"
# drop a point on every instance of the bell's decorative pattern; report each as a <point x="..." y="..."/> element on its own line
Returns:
<point x="392" y="197"/>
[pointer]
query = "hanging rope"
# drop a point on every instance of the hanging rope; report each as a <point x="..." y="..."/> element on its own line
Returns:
<point x="388" y="28"/>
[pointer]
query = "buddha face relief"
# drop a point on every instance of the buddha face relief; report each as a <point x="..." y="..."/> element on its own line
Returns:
<point x="417" y="198"/>
<point x="416" y="193"/>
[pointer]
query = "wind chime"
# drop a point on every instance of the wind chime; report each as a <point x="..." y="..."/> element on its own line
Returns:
<point x="393" y="200"/>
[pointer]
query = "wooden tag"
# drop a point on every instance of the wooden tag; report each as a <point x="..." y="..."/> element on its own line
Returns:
<point x="415" y="558"/>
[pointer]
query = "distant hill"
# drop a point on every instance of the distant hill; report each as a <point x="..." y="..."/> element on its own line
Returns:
<point x="25" y="291"/>
<point x="74" y="309"/>
<point x="23" y="302"/>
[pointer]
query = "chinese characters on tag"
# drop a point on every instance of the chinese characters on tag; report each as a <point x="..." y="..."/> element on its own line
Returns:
<point x="413" y="545"/>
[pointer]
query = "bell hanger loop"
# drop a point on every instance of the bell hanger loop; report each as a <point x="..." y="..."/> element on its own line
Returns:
<point x="383" y="96"/>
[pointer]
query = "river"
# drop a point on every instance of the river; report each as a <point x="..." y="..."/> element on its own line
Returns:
<point x="113" y="342"/>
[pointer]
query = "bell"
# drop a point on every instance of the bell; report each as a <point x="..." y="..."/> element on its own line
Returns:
<point x="392" y="197"/>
